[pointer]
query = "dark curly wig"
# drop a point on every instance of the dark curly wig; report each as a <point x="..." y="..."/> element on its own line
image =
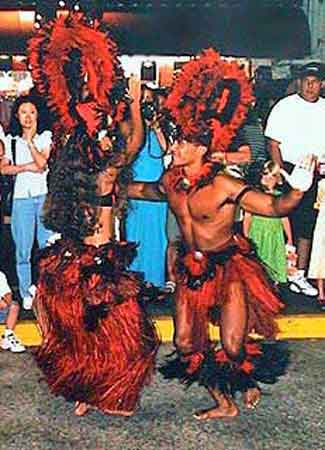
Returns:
<point x="72" y="189"/>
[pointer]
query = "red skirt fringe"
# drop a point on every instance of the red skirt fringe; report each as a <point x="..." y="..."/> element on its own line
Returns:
<point x="206" y="281"/>
<point x="240" y="270"/>
<point x="108" y="367"/>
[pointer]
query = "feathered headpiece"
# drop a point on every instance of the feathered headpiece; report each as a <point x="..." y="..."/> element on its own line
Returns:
<point x="75" y="66"/>
<point x="208" y="101"/>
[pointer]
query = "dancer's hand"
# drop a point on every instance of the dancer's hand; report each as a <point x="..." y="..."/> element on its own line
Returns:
<point x="302" y="175"/>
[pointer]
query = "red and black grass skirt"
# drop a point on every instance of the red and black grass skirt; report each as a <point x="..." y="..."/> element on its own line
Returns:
<point x="98" y="345"/>
<point x="205" y="282"/>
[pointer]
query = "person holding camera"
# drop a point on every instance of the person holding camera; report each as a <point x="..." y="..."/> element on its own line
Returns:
<point x="146" y="220"/>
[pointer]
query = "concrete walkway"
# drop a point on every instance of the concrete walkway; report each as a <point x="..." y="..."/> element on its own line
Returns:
<point x="289" y="417"/>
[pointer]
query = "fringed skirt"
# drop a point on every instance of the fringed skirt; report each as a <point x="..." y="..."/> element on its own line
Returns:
<point x="205" y="282"/>
<point x="98" y="345"/>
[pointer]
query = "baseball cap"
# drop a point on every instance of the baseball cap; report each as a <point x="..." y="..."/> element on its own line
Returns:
<point x="315" y="69"/>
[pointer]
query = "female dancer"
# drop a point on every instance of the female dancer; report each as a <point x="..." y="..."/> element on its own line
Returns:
<point x="98" y="345"/>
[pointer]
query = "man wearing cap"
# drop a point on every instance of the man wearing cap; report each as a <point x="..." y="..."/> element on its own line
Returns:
<point x="295" y="128"/>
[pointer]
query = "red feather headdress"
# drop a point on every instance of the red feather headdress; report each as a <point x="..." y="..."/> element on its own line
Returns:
<point x="209" y="100"/>
<point x="50" y="49"/>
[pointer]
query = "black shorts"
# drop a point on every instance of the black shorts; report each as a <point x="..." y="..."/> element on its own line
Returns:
<point x="303" y="217"/>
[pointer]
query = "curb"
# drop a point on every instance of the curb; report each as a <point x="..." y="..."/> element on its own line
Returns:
<point x="302" y="326"/>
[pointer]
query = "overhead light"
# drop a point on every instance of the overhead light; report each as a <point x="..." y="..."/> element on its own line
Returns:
<point x="26" y="17"/>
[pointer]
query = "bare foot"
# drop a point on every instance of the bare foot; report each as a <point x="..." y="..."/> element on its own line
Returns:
<point x="252" y="397"/>
<point x="81" y="408"/>
<point x="226" y="411"/>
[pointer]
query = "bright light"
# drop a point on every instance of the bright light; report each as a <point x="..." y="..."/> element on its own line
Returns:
<point x="27" y="17"/>
<point x="38" y="16"/>
<point x="61" y="3"/>
<point x="148" y="64"/>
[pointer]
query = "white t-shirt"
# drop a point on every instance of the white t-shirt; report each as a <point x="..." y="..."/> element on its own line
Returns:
<point x="29" y="184"/>
<point x="299" y="127"/>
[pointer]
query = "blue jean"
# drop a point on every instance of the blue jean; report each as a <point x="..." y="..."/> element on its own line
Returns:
<point x="25" y="222"/>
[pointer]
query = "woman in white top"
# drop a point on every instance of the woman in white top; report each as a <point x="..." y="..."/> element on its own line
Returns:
<point x="32" y="148"/>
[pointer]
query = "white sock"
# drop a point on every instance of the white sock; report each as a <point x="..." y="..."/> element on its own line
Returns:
<point x="7" y="332"/>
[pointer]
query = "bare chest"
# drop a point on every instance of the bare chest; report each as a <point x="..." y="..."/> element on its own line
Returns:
<point x="201" y="206"/>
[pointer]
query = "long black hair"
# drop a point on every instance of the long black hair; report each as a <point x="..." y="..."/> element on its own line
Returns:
<point x="71" y="204"/>
<point x="43" y="119"/>
<point x="71" y="193"/>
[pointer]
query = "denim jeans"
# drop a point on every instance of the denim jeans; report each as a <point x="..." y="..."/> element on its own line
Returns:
<point x="25" y="223"/>
<point x="3" y="315"/>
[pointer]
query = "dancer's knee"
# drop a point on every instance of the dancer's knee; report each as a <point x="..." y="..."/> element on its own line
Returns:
<point x="234" y="349"/>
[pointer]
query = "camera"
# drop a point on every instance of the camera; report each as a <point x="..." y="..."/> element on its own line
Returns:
<point x="149" y="109"/>
<point x="153" y="97"/>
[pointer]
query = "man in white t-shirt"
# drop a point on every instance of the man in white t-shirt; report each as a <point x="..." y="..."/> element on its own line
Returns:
<point x="295" y="128"/>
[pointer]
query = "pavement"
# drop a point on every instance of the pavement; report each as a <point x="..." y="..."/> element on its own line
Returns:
<point x="290" y="415"/>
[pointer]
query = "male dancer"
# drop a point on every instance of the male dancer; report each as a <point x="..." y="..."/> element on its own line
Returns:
<point x="216" y="269"/>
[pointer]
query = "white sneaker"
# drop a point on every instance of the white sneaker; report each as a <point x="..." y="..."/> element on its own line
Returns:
<point x="12" y="342"/>
<point x="28" y="302"/>
<point x="300" y="285"/>
<point x="32" y="290"/>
